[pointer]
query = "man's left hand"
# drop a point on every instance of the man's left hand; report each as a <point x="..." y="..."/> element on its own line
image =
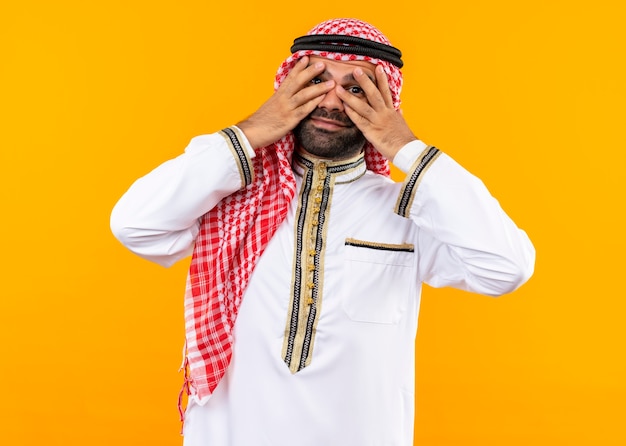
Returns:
<point x="380" y="122"/>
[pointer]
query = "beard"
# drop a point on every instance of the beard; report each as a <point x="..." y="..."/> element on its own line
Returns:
<point x="337" y="145"/>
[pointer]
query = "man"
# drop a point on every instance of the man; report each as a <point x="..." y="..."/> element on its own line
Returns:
<point x="303" y="292"/>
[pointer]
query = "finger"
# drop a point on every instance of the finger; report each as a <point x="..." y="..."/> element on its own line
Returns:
<point x="311" y="91"/>
<point x="289" y="84"/>
<point x="359" y="111"/>
<point x="383" y="86"/>
<point x="306" y="108"/>
<point x="302" y="74"/>
<point x="354" y="116"/>
<point x="308" y="86"/>
<point x="369" y="87"/>
<point x="297" y="89"/>
<point x="299" y="66"/>
<point x="357" y="105"/>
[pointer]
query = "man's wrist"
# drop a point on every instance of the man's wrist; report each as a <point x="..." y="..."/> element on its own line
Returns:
<point x="245" y="142"/>
<point x="248" y="129"/>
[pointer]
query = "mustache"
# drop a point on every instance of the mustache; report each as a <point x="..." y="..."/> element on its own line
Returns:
<point x="334" y="116"/>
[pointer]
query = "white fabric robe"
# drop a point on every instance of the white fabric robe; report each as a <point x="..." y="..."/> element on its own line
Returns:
<point x="358" y="388"/>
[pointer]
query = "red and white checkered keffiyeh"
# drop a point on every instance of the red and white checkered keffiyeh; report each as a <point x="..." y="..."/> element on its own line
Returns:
<point x="234" y="234"/>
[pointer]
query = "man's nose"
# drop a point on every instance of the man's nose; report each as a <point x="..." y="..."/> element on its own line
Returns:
<point x="332" y="102"/>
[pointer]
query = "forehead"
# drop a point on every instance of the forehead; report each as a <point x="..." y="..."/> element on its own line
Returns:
<point x="347" y="66"/>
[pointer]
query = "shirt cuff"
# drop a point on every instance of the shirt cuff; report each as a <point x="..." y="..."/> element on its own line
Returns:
<point x="244" y="141"/>
<point x="421" y="163"/>
<point x="241" y="150"/>
<point x="407" y="155"/>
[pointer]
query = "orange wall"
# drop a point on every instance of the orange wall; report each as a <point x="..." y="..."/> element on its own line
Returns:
<point x="528" y="95"/>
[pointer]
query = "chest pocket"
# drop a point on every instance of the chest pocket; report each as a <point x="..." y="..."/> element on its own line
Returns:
<point x="379" y="280"/>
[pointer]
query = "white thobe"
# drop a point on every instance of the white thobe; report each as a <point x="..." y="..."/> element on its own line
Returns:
<point x="357" y="387"/>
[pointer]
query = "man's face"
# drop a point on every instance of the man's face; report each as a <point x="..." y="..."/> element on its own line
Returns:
<point x="328" y="132"/>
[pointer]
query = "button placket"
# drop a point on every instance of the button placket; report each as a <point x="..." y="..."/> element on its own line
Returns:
<point x="319" y="180"/>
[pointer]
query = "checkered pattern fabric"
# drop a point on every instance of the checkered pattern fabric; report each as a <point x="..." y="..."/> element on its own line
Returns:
<point x="235" y="233"/>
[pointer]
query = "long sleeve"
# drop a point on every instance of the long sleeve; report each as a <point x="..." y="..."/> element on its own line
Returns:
<point x="157" y="218"/>
<point x="466" y="240"/>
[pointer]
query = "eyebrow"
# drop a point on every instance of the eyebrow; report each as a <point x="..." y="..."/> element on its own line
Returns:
<point x="349" y="77"/>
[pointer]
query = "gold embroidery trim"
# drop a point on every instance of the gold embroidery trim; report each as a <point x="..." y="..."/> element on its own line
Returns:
<point x="384" y="246"/>
<point x="306" y="296"/>
<point x="413" y="179"/>
<point x="233" y="138"/>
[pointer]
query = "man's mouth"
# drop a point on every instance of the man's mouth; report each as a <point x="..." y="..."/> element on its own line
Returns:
<point x="329" y="124"/>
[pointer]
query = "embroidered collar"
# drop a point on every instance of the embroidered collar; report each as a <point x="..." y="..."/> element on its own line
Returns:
<point x="344" y="171"/>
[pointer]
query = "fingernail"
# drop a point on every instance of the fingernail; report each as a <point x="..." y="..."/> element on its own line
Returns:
<point x="319" y="65"/>
<point x="358" y="72"/>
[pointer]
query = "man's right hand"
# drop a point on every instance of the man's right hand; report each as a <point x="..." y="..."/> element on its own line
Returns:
<point x="293" y="101"/>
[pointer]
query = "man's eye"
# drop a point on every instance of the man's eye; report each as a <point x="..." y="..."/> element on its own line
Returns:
<point x="316" y="80"/>
<point x="355" y="90"/>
